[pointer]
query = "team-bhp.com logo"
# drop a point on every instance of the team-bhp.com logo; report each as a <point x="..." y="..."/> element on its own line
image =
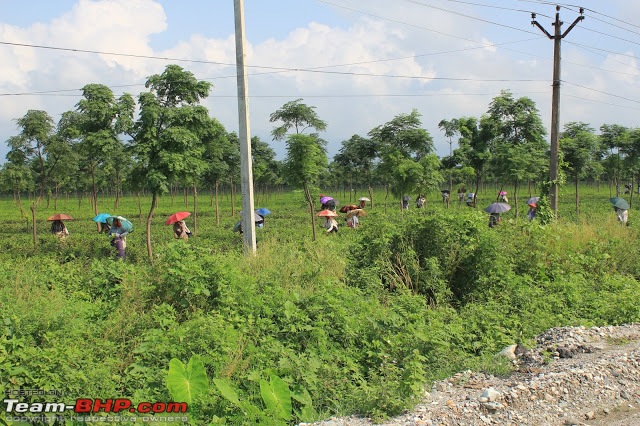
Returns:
<point x="87" y="406"/>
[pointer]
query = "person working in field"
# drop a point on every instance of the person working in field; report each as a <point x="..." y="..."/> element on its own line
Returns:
<point x="623" y="215"/>
<point x="180" y="230"/>
<point x="331" y="224"/>
<point x="119" y="240"/>
<point x="59" y="229"/>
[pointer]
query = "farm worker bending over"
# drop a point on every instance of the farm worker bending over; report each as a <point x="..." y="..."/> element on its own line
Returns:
<point x="181" y="231"/>
<point x="119" y="240"/>
<point x="59" y="229"/>
<point x="331" y="224"/>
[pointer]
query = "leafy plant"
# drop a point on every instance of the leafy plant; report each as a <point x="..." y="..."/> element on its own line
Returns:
<point x="187" y="383"/>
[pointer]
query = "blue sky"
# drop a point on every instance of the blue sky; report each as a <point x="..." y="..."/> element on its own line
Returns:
<point x="359" y="62"/>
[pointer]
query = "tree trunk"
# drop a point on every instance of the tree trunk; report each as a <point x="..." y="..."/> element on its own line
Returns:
<point x="515" y="196"/>
<point x="20" y="206"/>
<point x="370" y="196"/>
<point x="195" y="206"/>
<point x="475" y="194"/>
<point x="215" y="185"/>
<point x="186" y="198"/>
<point x="33" y="223"/>
<point x="233" y="196"/>
<point x="139" y="207"/>
<point x="307" y="194"/>
<point x="154" y="199"/>
<point x="577" y="197"/>
<point x="633" y="179"/>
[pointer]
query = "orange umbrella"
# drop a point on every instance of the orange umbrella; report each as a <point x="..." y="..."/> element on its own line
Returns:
<point x="177" y="217"/>
<point x="328" y="213"/>
<point x="60" y="216"/>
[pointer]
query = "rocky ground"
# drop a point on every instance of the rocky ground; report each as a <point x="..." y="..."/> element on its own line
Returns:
<point x="574" y="376"/>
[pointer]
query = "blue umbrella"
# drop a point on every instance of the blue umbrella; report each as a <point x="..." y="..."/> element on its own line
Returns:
<point x="126" y="224"/>
<point x="102" y="218"/>
<point x="498" y="208"/>
<point x="619" y="202"/>
<point x="263" y="211"/>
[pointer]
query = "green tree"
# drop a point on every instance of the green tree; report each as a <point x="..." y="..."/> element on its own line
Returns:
<point x="632" y="158"/>
<point x="615" y="137"/>
<point x="217" y="147"/>
<point x="297" y="116"/>
<point x="450" y="128"/>
<point x="33" y="144"/>
<point x="96" y="124"/>
<point x="476" y="137"/>
<point x="580" y="147"/>
<point x="166" y="136"/>
<point x="304" y="164"/>
<point x="519" y="150"/>
<point x="356" y="158"/>
<point x="401" y="139"/>
<point x="266" y="168"/>
<point x="306" y="155"/>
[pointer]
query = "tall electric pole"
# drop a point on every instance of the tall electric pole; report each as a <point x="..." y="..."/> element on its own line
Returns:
<point x="248" y="222"/>
<point x="555" y="102"/>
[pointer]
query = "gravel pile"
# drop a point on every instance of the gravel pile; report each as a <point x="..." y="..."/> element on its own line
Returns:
<point x="574" y="376"/>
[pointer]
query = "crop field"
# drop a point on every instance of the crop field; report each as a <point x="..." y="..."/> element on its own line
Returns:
<point x="356" y="322"/>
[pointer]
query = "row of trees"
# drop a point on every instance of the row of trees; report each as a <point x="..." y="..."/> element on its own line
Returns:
<point x="175" y="143"/>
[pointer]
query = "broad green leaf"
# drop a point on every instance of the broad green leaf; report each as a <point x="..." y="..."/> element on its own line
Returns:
<point x="276" y="396"/>
<point x="225" y="389"/>
<point x="185" y="384"/>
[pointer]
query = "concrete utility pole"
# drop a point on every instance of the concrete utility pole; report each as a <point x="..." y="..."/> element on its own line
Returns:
<point x="555" y="103"/>
<point x="248" y="222"/>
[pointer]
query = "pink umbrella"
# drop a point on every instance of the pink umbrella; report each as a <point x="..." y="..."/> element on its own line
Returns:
<point x="502" y="193"/>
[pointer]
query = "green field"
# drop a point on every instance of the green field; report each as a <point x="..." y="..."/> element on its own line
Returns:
<point x="352" y="323"/>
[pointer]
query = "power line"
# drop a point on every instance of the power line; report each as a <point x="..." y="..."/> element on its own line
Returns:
<point x="601" y="102"/>
<point x="469" y="16"/>
<point x="497" y="7"/>
<point x="600" y="91"/>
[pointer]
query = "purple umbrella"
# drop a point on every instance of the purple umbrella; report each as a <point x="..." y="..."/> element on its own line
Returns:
<point x="323" y="200"/>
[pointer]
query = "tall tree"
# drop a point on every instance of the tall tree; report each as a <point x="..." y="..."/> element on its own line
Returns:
<point x="401" y="139"/>
<point x="166" y="141"/>
<point x="519" y="149"/>
<point x="306" y="154"/>
<point x="97" y="122"/>
<point x="303" y="166"/>
<point x="450" y="128"/>
<point x="476" y="136"/>
<point x="579" y="146"/>
<point x="615" y="137"/>
<point x="33" y="143"/>
<point x="266" y="168"/>
<point x="296" y="116"/>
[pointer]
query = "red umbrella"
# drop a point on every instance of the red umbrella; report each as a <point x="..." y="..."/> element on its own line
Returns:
<point x="177" y="217"/>
<point x="348" y="207"/>
<point x="328" y="213"/>
<point x="60" y="216"/>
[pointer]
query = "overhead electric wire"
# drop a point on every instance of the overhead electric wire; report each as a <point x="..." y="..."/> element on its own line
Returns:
<point x="496" y="7"/>
<point x="470" y="17"/>
<point x="600" y="102"/>
<point x="602" y="92"/>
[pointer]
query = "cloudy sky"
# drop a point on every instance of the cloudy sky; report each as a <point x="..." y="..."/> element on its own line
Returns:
<point x="359" y="62"/>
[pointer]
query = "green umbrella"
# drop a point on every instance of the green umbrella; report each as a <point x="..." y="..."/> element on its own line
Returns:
<point x="619" y="202"/>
